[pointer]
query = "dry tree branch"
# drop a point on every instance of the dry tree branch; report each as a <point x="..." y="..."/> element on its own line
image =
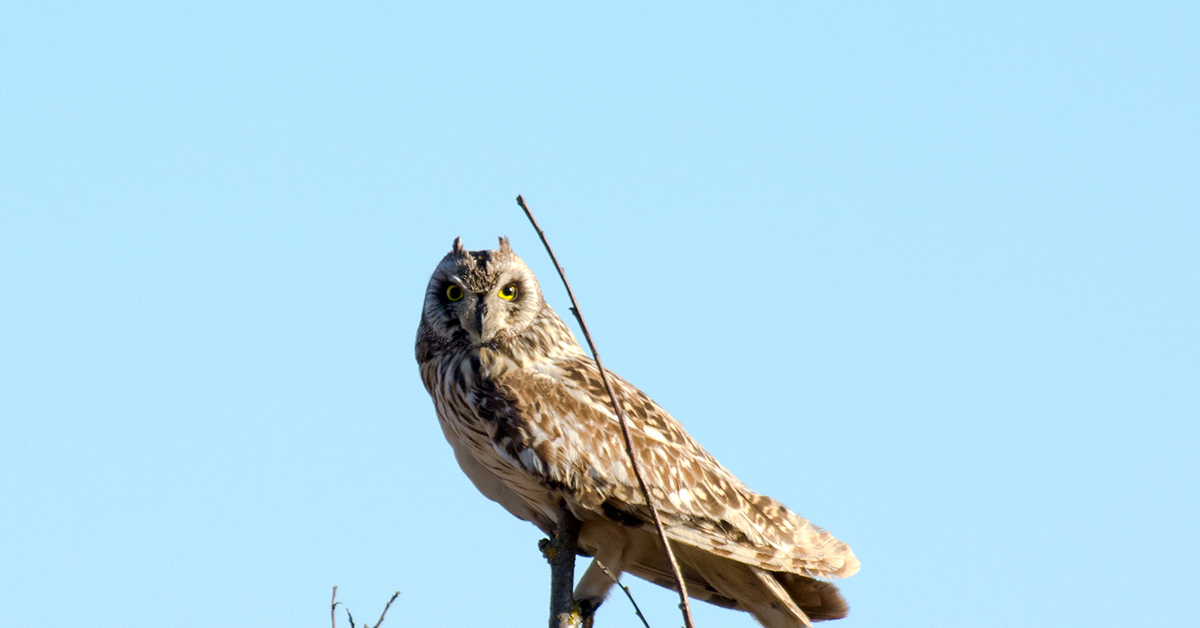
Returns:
<point x="334" y="604"/>
<point x="629" y="594"/>
<point x="385" y="608"/>
<point x="612" y="395"/>
<point x="560" y="552"/>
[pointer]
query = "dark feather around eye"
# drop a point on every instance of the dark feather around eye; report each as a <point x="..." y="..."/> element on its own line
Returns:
<point x="452" y="292"/>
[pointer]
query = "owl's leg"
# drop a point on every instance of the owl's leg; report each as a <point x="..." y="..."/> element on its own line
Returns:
<point x="610" y="544"/>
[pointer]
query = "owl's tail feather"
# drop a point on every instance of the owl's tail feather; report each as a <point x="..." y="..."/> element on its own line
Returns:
<point x="775" y="599"/>
<point x="818" y="599"/>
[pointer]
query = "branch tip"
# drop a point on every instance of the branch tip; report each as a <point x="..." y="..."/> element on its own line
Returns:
<point x="385" y="608"/>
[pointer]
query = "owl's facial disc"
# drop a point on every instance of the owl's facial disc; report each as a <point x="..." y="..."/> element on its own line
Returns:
<point x="486" y="296"/>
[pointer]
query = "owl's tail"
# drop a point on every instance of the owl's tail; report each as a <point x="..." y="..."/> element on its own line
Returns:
<point x="817" y="599"/>
<point x="776" y="599"/>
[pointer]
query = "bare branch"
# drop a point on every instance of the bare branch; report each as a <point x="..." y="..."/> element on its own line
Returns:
<point x="658" y="526"/>
<point x="385" y="608"/>
<point x="561" y="554"/>
<point x="333" y="603"/>
<point x="628" y="594"/>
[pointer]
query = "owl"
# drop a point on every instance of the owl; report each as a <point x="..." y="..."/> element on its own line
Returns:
<point x="531" y="425"/>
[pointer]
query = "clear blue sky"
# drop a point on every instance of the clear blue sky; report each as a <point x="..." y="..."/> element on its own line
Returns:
<point x="929" y="273"/>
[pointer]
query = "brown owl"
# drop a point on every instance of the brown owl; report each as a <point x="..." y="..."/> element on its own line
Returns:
<point x="531" y="425"/>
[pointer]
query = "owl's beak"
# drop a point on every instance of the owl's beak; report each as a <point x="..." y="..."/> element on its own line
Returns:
<point x="477" y="324"/>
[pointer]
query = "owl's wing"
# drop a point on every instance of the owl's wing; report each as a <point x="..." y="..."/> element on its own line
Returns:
<point x="563" y="430"/>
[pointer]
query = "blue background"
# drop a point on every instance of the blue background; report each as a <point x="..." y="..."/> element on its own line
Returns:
<point x="925" y="272"/>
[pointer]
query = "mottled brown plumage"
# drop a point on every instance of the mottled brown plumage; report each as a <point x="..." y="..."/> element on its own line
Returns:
<point x="530" y="423"/>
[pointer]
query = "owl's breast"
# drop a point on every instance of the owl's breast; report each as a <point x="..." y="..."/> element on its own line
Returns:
<point x="454" y="381"/>
<point x="482" y="420"/>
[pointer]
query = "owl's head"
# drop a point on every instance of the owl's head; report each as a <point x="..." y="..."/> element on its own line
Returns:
<point x="480" y="296"/>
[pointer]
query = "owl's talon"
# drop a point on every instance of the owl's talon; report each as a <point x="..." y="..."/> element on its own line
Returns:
<point x="587" y="610"/>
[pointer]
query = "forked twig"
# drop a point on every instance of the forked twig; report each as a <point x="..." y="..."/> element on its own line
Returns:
<point x="628" y="594"/>
<point x="333" y="604"/>
<point x="612" y="395"/>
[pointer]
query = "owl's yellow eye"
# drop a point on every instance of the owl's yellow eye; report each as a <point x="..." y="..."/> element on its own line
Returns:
<point x="509" y="292"/>
<point x="454" y="293"/>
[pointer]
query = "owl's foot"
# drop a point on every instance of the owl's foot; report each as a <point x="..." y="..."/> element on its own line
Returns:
<point x="587" y="611"/>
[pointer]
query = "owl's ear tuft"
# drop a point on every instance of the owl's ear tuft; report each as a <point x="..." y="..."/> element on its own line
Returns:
<point x="505" y="247"/>
<point x="458" y="247"/>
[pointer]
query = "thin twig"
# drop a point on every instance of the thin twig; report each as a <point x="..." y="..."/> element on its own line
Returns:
<point x="385" y="608"/>
<point x="333" y="607"/>
<point x="628" y="594"/>
<point x="612" y="395"/>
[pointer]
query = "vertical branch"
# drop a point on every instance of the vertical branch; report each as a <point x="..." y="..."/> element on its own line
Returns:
<point x="333" y="607"/>
<point x="561" y="554"/>
<point x="633" y="461"/>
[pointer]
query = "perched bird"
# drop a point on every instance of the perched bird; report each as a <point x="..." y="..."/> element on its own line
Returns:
<point x="532" y="425"/>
